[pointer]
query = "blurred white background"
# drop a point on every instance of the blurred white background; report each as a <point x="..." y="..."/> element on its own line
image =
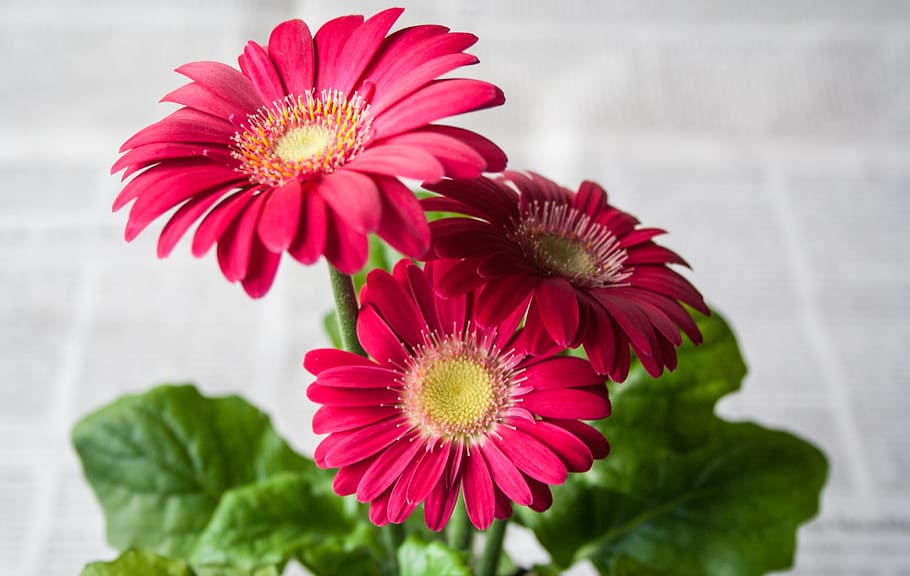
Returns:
<point x="769" y="137"/>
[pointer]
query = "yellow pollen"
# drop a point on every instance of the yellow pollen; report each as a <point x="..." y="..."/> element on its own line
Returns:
<point x="303" y="143"/>
<point x="456" y="392"/>
<point x="565" y="255"/>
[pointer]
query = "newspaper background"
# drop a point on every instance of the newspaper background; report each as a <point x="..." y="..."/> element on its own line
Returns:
<point x="770" y="138"/>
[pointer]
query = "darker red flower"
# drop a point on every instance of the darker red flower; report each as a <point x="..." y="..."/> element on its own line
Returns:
<point x="301" y="150"/>
<point x="582" y="269"/>
<point x="444" y="405"/>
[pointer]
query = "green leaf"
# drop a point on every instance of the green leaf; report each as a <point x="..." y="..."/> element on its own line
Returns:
<point x="685" y="492"/>
<point x="274" y="520"/>
<point x="159" y="463"/>
<point x="139" y="563"/>
<point x="419" y="558"/>
<point x="332" y="330"/>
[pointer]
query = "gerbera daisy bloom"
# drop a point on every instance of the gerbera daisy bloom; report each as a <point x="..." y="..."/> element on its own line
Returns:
<point x="583" y="269"/>
<point x="444" y="406"/>
<point x="301" y="150"/>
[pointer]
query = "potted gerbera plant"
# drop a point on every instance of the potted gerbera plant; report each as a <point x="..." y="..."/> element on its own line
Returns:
<point x="505" y="348"/>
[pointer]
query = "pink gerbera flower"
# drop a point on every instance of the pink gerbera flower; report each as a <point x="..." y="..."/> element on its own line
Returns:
<point x="301" y="150"/>
<point x="583" y="270"/>
<point x="445" y="405"/>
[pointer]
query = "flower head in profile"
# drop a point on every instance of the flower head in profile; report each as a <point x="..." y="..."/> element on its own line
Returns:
<point x="301" y="150"/>
<point x="582" y="269"/>
<point x="444" y="406"/>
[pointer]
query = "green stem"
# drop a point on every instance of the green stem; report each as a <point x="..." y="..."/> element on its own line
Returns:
<point x="393" y="536"/>
<point x="461" y="532"/>
<point x="346" y="310"/>
<point x="492" y="548"/>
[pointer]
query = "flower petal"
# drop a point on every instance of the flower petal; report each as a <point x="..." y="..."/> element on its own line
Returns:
<point x="359" y="377"/>
<point x="403" y="224"/>
<point x="260" y="273"/>
<point x="324" y="358"/>
<point x="397" y="160"/>
<point x="333" y="418"/>
<point x="291" y="50"/>
<point x="227" y="82"/>
<point x="183" y="218"/>
<point x="378" y="339"/>
<point x="361" y="47"/>
<point x="579" y="403"/>
<point x="258" y="67"/>
<point x="574" y="453"/>
<point x="330" y="40"/>
<point x="429" y="471"/>
<point x="345" y="247"/>
<point x="364" y="443"/>
<point x="309" y="244"/>
<point x="506" y="475"/>
<point x="561" y="372"/>
<point x="395" y="306"/>
<point x="216" y="222"/>
<point x="280" y="217"/>
<point x="479" y="498"/>
<point x="388" y="468"/>
<point x="354" y="197"/>
<point x="530" y="456"/>
<point x="352" y="396"/>
<point x="558" y="309"/>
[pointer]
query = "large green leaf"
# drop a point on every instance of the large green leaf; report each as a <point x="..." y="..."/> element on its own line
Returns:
<point x="144" y="563"/>
<point x="159" y="463"/>
<point x="417" y="557"/>
<point x="685" y="492"/>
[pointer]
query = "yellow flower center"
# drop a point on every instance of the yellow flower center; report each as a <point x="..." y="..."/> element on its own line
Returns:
<point x="566" y="256"/>
<point x="456" y="392"/>
<point x="302" y="143"/>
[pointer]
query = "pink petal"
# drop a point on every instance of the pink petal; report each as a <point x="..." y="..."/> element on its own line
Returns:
<point x="364" y="443"/>
<point x="398" y="161"/>
<point x="277" y="226"/>
<point x="399" y="506"/>
<point x="460" y="279"/>
<point x="506" y="475"/>
<point x="479" y="498"/>
<point x="530" y="456"/>
<point x="561" y="372"/>
<point x="353" y="397"/>
<point x="260" y="273"/>
<point x="558" y="309"/>
<point x="655" y="315"/>
<point x="667" y="282"/>
<point x="423" y="295"/>
<point x="330" y="40"/>
<point x="591" y="436"/>
<point x="347" y="478"/>
<point x="331" y="418"/>
<point x="591" y="198"/>
<point x="404" y="224"/>
<point x="574" y="453"/>
<point x="439" y="99"/>
<point x="161" y="177"/>
<point x="630" y="318"/>
<point x="185" y="125"/>
<point x="429" y="471"/>
<point x="543" y="498"/>
<point x="578" y="403"/>
<point x="143" y="156"/>
<point x="258" y="67"/>
<point x="640" y="236"/>
<point x="494" y="156"/>
<point x="378" y="339"/>
<point x="379" y="509"/>
<point x="418" y="77"/>
<point x="197" y="96"/>
<point x="225" y="81"/>
<point x="457" y="159"/>
<point x="360" y="48"/>
<point x="599" y="337"/>
<point x="309" y="244"/>
<point x="495" y="197"/>
<point x="395" y="306"/>
<point x="324" y="358"/>
<point x="503" y="505"/>
<point x="440" y="503"/>
<point x="354" y="197"/>
<point x="501" y="297"/>
<point x="218" y="220"/>
<point x="535" y="187"/>
<point x="291" y="50"/>
<point x="235" y="247"/>
<point x="359" y="377"/>
<point x="388" y="468"/>
<point x="345" y="248"/>
<point x="182" y="219"/>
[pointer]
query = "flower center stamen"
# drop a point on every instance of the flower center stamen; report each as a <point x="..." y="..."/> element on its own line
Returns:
<point x="302" y="136"/>
<point x="456" y="392"/>
<point x="567" y="243"/>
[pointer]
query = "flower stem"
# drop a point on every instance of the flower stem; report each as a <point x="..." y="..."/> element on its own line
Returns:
<point x="393" y="536"/>
<point x="461" y="533"/>
<point x="492" y="548"/>
<point x="346" y="310"/>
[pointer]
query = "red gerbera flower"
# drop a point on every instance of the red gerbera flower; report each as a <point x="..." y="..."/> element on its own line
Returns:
<point x="301" y="150"/>
<point x="583" y="270"/>
<point x="446" y="405"/>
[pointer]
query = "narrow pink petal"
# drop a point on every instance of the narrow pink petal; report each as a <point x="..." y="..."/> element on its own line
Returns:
<point x="422" y="292"/>
<point x="501" y="297"/>
<point x="493" y="155"/>
<point x="419" y="77"/>
<point x="558" y="309"/>
<point x="477" y="484"/>
<point x="403" y="224"/>
<point x="543" y="498"/>
<point x="330" y="40"/>
<point x="216" y="222"/>
<point x="623" y="358"/>
<point x="359" y="377"/>
<point x="345" y="248"/>
<point x="364" y="443"/>
<point x="506" y="475"/>
<point x="379" y="509"/>
<point x="235" y="247"/>
<point x="351" y="396"/>
<point x="674" y="311"/>
<point x="360" y="48"/>
<point x="639" y="236"/>
<point x="439" y="99"/>
<point x="534" y="338"/>
<point x="458" y="159"/>
<point x="440" y="504"/>
<point x="591" y="436"/>
<point x="378" y="339"/>
<point x="143" y="156"/>
<point x="309" y="244"/>
<point x="195" y="95"/>
<point x="261" y="270"/>
<point x="505" y="260"/>
<point x="653" y="254"/>
<point x="225" y="81"/>
<point x="591" y="198"/>
<point x="399" y="505"/>
<point x="316" y="361"/>
<point x="530" y="456"/>
<point x="630" y="319"/>
<point x="348" y="477"/>
<point x="291" y="50"/>
<point x="185" y="125"/>
<point x="258" y="67"/>
<point x="441" y="204"/>
<point x="561" y="372"/>
<point x="579" y="403"/>
<point x="599" y="338"/>
<point x="499" y="201"/>
<point x="327" y="445"/>
<point x="667" y="282"/>
<point x="574" y="453"/>
<point x="474" y="238"/>
<point x="537" y="188"/>
<point x="147" y="182"/>
<point x="388" y="468"/>
<point x="277" y="226"/>
<point x="460" y="279"/>
<point x="183" y="218"/>
<point x="354" y="197"/>
<point x="452" y="311"/>
<point x="395" y="306"/>
<point x="503" y="505"/>
<point x="331" y="418"/>
<point x="428" y="473"/>
<point x="401" y="161"/>
<point x="655" y="314"/>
